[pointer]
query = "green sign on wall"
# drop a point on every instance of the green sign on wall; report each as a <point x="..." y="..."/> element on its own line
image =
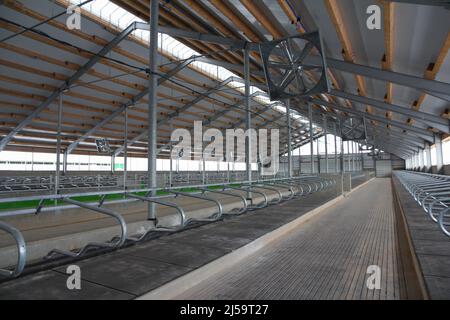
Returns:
<point x="118" y="166"/>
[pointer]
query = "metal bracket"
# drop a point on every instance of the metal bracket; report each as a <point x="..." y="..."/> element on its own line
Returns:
<point x="39" y="207"/>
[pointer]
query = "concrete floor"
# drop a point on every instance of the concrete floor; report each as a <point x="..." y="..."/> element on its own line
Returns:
<point x="132" y="272"/>
<point x="326" y="258"/>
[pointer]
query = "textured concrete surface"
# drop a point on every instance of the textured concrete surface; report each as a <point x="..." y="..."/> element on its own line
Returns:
<point x="326" y="258"/>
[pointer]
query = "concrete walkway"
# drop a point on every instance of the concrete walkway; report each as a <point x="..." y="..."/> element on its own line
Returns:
<point x="326" y="258"/>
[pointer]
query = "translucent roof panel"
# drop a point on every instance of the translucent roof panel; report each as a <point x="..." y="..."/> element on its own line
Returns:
<point x="119" y="17"/>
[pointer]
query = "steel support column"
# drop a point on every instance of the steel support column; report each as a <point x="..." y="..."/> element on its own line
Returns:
<point x="248" y="119"/>
<point x="113" y="163"/>
<point x="170" y="157"/>
<point x="353" y="156"/>
<point x="152" y="104"/>
<point x="348" y="156"/>
<point x="428" y="156"/>
<point x="299" y="160"/>
<point x="288" y="120"/>
<point x="311" y="136"/>
<point x="319" y="168"/>
<point x="361" y="158"/>
<point x="125" y="154"/>
<point x="58" y="144"/>
<point x="439" y="154"/>
<point x="416" y="161"/>
<point x="335" y="148"/>
<point x="325" y="127"/>
<point x="342" y="150"/>
<point x="421" y="165"/>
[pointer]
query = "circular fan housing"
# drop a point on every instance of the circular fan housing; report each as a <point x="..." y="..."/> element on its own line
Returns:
<point x="295" y="66"/>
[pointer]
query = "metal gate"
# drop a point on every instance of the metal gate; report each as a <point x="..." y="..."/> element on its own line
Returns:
<point x="383" y="168"/>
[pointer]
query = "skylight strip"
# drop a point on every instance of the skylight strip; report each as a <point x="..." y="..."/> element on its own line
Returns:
<point x="120" y="18"/>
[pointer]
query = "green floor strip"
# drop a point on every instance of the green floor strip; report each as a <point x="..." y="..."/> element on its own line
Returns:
<point x="19" y="205"/>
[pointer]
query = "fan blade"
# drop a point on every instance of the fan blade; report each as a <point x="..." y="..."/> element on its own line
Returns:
<point x="310" y="67"/>
<point x="306" y="50"/>
<point x="284" y="45"/>
<point x="288" y="78"/>
<point x="280" y="65"/>
<point x="300" y="83"/>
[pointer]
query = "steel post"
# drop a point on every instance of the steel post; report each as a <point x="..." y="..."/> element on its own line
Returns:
<point x="152" y="104"/>
<point x="311" y="135"/>
<point x="288" y="120"/>
<point x="58" y="144"/>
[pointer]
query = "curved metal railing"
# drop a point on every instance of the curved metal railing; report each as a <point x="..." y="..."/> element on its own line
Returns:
<point x="432" y="193"/>
<point x="253" y="195"/>
<point x="21" y="252"/>
<point x="116" y="243"/>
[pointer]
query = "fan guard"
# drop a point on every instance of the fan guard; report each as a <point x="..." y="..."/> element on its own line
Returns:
<point x="289" y="64"/>
<point x="103" y="146"/>
<point x="354" y="129"/>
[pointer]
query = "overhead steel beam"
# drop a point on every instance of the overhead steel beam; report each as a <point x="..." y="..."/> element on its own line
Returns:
<point x="302" y="143"/>
<point x="230" y="66"/>
<point x="123" y="107"/>
<point x="419" y="132"/>
<point x="418" y="142"/>
<point x="380" y="145"/>
<point x="437" y="122"/>
<point x="440" y="96"/>
<point x="403" y="138"/>
<point x="204" y="37"/>
<point x="396" y="143"/>
<point x="390" y="76"/>
<point x="176" y="113"/>
<point x="422" y="84"/>
<point x="68" y="83"/>
<point x="240" y="122"/>
<point x="394" y="130"/>
<point x="220" y="114"/>
<point x="388" y="148"/>
<point x="397" y="140"/>
<point x="406" y="134"/>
